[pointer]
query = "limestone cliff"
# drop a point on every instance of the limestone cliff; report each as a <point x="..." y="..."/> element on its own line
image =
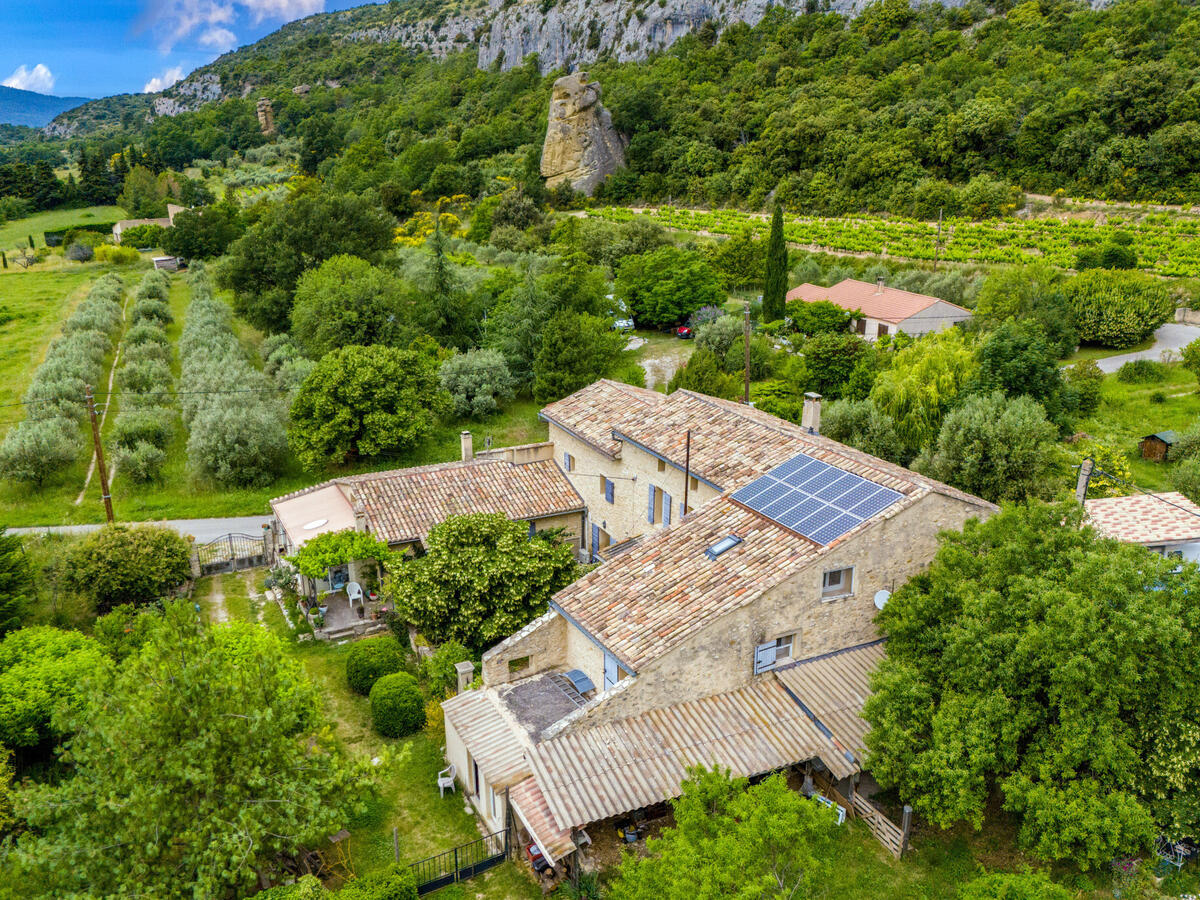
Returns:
<point x="582" y="148"/>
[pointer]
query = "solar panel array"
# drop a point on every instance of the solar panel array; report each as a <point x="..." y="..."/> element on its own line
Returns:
<point x="815" y="499"/>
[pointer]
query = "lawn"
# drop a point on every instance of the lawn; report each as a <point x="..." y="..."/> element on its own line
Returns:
<point x="1092" y="351"/>
<point x="15" y="232"/>
<point x="1129" y="412"/>
<point x="660" y="354"/>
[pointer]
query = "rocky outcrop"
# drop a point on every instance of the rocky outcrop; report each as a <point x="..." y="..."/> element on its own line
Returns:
<point x="582" y="148"/>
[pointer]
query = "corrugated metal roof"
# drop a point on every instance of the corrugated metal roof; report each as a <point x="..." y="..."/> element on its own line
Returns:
<point x="493" y="740"/>
<point x="620" y="766"/>
<point x="834" y="687"/>
<point x="530" y="805"/>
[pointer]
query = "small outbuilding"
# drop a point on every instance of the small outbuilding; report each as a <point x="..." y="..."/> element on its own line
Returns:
<point x="1157" y="447"/>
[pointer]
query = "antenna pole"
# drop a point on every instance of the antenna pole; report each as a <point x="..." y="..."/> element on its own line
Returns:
<point x="746" y="335"/>
<point x="102" y="471"/>
<point x="687" y="471"/>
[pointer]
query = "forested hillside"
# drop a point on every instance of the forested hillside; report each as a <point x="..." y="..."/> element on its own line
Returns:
<point x="897" y="110"/>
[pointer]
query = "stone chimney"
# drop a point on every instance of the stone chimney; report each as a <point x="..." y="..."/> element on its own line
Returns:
<point x="811" y="419"/>
<point x="466" y="674"/>
<point x="468" y="446"/>
<point x="879" y="285"/>
<point x="360" y="516"/>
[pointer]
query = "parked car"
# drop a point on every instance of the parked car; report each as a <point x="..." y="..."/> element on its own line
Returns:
<point x="684" y="332"/>
<point x="623" y="325"/>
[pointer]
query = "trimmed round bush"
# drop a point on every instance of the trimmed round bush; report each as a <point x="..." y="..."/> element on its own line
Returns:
<point x="1142" y="371"/>
<point x="142" y="462"/>
<point x="152" y="309"/>
<point x="370" y="660"/>
<point x="148" y="332"/>
<point x="34" y="450"/>
<point x="397" y="706"/>
<point x="145" y="376"/>
<point x="153" y="425"/>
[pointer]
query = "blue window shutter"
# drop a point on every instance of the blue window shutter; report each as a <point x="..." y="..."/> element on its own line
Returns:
<point x="666" y="508"/>
<point x="764" y="657"/>
<point x="532" y="529"/>
<point x="608" y="490"/>
<point x="650" y="509"/>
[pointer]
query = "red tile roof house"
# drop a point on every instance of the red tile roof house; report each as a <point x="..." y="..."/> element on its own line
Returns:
<point x="885" y="310"/>
<point x="1167" y="523"/>
<point x="738" y="632"/>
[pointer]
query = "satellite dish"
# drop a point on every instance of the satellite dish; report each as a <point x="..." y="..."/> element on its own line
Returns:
<point x="881" y="598"/>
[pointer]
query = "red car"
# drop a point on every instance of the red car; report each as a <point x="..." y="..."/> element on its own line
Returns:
<point x="684" y="332"/>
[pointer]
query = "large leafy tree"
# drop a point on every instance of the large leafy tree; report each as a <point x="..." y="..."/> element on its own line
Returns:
<point x="1016" y="359"/>
<point x="126" y="564"/>
<point x="203" y="233"/>
<point x="995" y="447"/>
<point x="482" y="578"/>
<point x="363" y="401"/>
<point x="16" y="580"/>
<point x="345" y="301"/>
<point x="775" y="281"/>
<point x="577" y="349"/>
<point x="731" y="840"/>
<point x="308" y="228"/>
<point x="1118" y="309"/>
<point x="204" y="760"/>
<point x="1035" y="660"/>
<point x="42" y="670"/>
<point x="665" y="286"/>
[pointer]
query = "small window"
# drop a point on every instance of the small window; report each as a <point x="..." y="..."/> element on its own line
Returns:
<point x="725" y="543"/>
<point x="610" y="490"/>
<point x="695" y="485"/>
<point x="662" y="465"/>
<point x="568" y="462"/>
<point x="837" y="583"/>
<point x="666" y="508"/>
<point x="518" y="664"/>
<point x="773" y="653"/>
<point x="883" y="329"/>
<point x="652" y="508"/>
<point x="861" y="326"/>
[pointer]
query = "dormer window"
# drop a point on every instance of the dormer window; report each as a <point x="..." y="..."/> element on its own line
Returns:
<point x="726" y="543"/>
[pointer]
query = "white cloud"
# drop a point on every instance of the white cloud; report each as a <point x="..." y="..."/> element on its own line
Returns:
<point x="163" y="81"/>
<point x="218" y="38"/>
<point x="175" y="20"/>
<point x="39" y="79"/>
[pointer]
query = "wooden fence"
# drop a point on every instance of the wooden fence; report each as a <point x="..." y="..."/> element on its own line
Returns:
<point x="893" y="837"/>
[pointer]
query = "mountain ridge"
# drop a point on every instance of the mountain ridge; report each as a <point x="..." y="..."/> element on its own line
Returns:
<point x="21" y="107"/>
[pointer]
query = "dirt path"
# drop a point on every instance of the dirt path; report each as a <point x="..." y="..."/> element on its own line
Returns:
<point x="217" y="612"/>
<point x="112" y="374"/>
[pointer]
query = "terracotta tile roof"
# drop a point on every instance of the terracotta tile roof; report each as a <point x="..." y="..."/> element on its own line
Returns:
<point x="530" y="805"/>
<point x="887" y="304"/>
<point x="591" y="412"/>
<point x="834" y="687"/>
<point x="496" y="743"/>
<point x="653" y="596"/>
<point x="402" y="505"/>
<point x="1146" y="518"/>
<point x="590" y="774"/>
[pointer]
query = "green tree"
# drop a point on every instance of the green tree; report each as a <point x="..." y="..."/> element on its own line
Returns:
<point x="860" y="424"/>
<point x="704" y="373"/>
<point x="128" y="564"/>
<point x="1191" y="358"/>
<point x="665" y="286"/>
<point x="993" y="446"/>
<point x="731" y="840"/>
<point x="1118" y="309"/>
<point x="1016" y="360"/>
<point x="363" y="401"/>
<point x="320" y="139"/>
<point x="818" y="317"/>
<point x="577" y="349"/>
<point x="204" y="760"/>
<point x="775" y="280"/>
<point x="16" y="580"/>
<point x="1029" y="661"/>
<point x="43" y="671"/>
<point x="203" y="233"/>
<point x="345" y="301"/>
<point x="831" y="358"/>
<point x="481" y="579"/>
<point x="477" y="381"/>
<point x="1013" y="886"/>
<point x="140" y="195"/>
<point x="309" y="227"/>
<point x="515" y="327"/>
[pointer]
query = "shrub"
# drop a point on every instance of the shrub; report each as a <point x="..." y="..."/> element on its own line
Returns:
<point x="861" y="424"/>
<point x="478" y="381"/>
<point x="397" y="706"/>
<point x="243" y="445"/>
<point x="153" y="425"/>
<point x="80" y="252"/>
<point x="141" y="462"/>
<point x="1117" y="309"/>
<point x="34" y="450"/>
<point x="1013" y="886"/>
<point x="1086" y="380"/>
<point x="439" y="668"/>
<point x="142" y="236"/>
<point x="117" y="256"/>
<point x="1185" y="478"/>
<point x="145" y="376"/>
<point x="1142" y="371"/>
<point x="153" y="309"/>
<point x="718" y="335"/>
<point x="370" y="660"/>
<point x="146" y="352"/>
<point x="124" y="564"/>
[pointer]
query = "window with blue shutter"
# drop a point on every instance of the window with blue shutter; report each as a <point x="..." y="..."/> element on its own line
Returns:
<point x="764" y="657"/>
<point x="608" y="490"/>
<point x="666" y="508"/>
<point x="650" y="509"/>
<point x="532" y="529"/>
<point x="568" y="462"/>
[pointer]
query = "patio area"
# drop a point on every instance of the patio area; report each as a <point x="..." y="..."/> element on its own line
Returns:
<point x="344" y="618"/>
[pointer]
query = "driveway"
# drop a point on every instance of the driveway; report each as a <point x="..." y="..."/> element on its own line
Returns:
<point x="1171" y="336"/>
<point x="203" y="530"/>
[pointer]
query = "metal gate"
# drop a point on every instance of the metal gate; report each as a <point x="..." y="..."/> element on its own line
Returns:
<point x="230" y="553"/>
<point x="461" y="863"/>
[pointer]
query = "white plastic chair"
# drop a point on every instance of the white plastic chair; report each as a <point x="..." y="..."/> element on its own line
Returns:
<point x="354" y="592"/>
<point x="445" y="780"/>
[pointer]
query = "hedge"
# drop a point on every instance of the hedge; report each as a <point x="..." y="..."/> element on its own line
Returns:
<point x="397" y="706"/>
<point x="55" y="238"/>
<point x="370" y="660"/>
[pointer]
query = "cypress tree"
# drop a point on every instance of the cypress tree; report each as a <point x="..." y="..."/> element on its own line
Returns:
<point x="775" y="286"/>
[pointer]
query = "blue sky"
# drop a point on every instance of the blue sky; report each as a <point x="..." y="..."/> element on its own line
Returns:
<point x="93" y="48"/>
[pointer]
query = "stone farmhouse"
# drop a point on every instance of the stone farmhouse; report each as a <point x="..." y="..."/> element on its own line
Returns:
<point x="167" y="221"/>
<point x="1166" y="523"/>
<point x="730" y="623"/>
<point x="885" y="310"/>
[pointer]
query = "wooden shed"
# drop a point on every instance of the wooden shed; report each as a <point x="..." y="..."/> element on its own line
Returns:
<point x="1156" y="447"/>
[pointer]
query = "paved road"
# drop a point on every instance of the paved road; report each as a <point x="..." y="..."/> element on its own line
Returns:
<point x="1171" y="336"/>
<point x="203" y="530"/>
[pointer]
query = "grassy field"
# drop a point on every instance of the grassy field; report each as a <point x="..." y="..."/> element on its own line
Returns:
<point x="15" y="232"/>
<point x="1094" y="352"/>
<point x="1129" y="412"/>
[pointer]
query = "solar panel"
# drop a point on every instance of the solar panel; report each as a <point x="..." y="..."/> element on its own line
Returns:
<point x="815" y="499"/>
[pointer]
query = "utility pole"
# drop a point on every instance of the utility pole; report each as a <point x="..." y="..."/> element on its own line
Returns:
<point x="1085" y="478"/>
<point x="102" y="471"/>
<point x="937" y="248"/>
<point x="687" y="470"/>
<point x="746" y="335"/>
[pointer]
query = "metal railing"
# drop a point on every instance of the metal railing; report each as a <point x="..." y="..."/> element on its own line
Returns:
<point x="461" y="863"/>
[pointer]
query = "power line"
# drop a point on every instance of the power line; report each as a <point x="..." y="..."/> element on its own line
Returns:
<point x="1158" y="497"/>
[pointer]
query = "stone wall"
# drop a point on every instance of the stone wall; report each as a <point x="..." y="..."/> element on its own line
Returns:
<point x="544" y="641"/>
